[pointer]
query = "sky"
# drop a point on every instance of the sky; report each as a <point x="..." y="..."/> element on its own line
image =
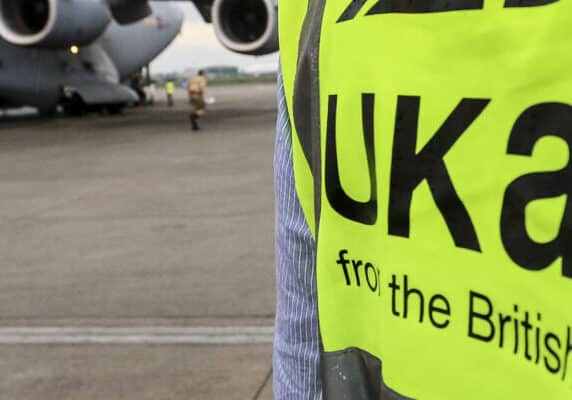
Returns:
<point x="197" y="47"/>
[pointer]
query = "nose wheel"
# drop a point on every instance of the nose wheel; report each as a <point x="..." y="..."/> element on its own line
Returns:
<point x="114" y="109"/>
<point x="74" y="106"/>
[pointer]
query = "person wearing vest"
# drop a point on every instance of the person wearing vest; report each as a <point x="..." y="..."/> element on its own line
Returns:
<point x="170" y="90"/>
<point x="431" y="147"/>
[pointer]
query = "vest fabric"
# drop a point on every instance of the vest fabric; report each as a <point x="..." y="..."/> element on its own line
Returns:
<point x="170" y="87"/>
<point x="431" y="147"/>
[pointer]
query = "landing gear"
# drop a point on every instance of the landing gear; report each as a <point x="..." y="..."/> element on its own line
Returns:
<point x="115" y="109"/>
<point x="109" y="99"/>
<point x="48" y="112"/>
<point x="74" y="106"/>
<point x="77" y="108"/>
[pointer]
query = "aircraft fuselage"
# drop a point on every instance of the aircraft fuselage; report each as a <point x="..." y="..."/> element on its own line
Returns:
<point x="37" y="77"/>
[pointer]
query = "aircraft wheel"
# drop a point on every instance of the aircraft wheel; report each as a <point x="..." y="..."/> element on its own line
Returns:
<point x="48" y="112"/>
<point x="75" y="107"/>
<point x="114" y="109"/>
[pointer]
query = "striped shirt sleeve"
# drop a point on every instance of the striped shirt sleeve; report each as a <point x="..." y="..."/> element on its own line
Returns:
<point x="296" y="342"/>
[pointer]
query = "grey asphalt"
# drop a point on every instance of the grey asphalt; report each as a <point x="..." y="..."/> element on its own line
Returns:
<point x="135" y="221"/>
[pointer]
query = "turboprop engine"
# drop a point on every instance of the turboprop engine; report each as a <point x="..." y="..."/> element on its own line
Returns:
<point x="53" y="23"/>
<point x="246" y="26"/>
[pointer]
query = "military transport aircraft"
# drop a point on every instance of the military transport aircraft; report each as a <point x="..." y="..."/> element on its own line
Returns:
<point x="79" y="54"/>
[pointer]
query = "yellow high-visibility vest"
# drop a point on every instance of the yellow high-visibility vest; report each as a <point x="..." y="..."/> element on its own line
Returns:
<point x="432" y="152"/>
<point x="170" y="87"/>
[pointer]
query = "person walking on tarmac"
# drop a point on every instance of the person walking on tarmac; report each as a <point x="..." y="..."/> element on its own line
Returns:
<point x="197" y="90"/>
<point x="170" y="90"/>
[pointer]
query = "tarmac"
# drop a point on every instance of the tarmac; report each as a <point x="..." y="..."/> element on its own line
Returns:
<point x="136" y="256"/>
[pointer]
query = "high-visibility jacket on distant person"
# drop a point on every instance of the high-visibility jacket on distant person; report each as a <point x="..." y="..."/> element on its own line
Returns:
<point x="170" y="87"/>
<point x="432" y="146"/>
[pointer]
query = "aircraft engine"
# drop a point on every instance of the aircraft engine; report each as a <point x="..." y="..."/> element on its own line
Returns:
<point x="53" y="23"/>
<point x="246" y="26"/>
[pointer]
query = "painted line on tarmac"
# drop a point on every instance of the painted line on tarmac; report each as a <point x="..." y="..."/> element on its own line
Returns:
<point x="155" y="335"/>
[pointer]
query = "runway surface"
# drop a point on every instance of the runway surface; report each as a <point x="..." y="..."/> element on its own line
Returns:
<point x="136" y="257"/>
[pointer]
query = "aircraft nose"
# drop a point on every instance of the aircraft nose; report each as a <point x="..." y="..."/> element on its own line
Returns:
<point x="180" y="18"/>
<point x="170" y="19"/>
<point x="176" y="18"/>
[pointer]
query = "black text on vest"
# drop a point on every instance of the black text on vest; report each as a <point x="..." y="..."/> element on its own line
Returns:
<point x="538" y="121"/>
<point x="410" y="168"/>
<point x="428" y="6"/>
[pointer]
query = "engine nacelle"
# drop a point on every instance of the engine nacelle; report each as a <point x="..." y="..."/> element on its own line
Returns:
<point x="53" y="23"/>
<point x="246" y="26"/>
